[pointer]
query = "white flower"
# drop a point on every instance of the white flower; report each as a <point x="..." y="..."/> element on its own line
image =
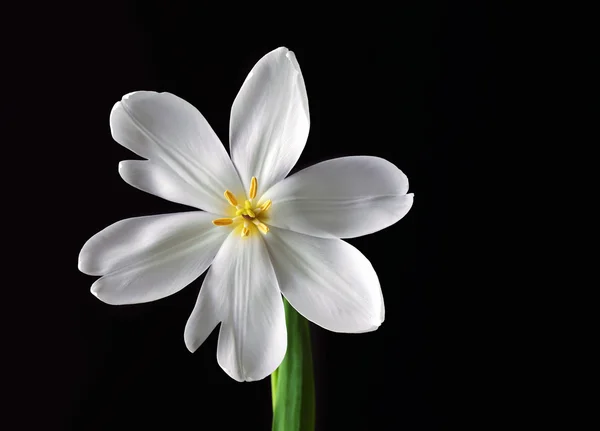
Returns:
<point x="282" y="237"/>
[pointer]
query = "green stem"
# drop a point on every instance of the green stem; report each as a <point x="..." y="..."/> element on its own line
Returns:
<point x="292" y="384"/>
<point x="274" y="387"/>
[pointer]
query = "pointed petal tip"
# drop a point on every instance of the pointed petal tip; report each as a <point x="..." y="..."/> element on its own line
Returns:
<point x="243" y="377"/>
<point x="410" y="202"/>
<point x="85" y="263"/>
<point x="282" y="50"/>
<point x="292" y="58"/>
<point x="374" y="327"/>
<point x="104" y="295"/>
<point x="251" y="379"/>
<point x="81" y="259"/>
<point x="372" y="324"/>
<point x="124" y="168"/>
<point x="81" y="265"/>
<point x="114" y="112"/>
<point x="96" y="291"/>
<point x="189" y="344"/>
<point x="230" y="374"/>
<point x="115" y="107"/>
<point x="191" y="339"/>
<point x="137" y="93"/>
<point x="129" y="95"/>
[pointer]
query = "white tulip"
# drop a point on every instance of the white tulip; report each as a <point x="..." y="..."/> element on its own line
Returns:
<point x="261" y="234"/>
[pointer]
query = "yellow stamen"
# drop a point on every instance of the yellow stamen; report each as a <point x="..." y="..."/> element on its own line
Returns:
<point x="266" y="205"/>
<point x="246" y="212"/>
<point x="230" y="198"/>
<point x="253" y="186"/>
<point x="222" y="221"/>
<point x="261" y="226"/>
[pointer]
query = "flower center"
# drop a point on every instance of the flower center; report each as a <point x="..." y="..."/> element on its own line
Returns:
<point x="247" y="215"/>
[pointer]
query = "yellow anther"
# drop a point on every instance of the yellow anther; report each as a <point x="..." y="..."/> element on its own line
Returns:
<point x="222" y="221"/>
<point x="245" y="231"/>
<point x="250" y="213"/>
<point x="266" y="205"/>
<point x="261" y="226"/>
<point x="247" y="205"/>
<point x="230" y="198"/>
<point x="253" y="186"/>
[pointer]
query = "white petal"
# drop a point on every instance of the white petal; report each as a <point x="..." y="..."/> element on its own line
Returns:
<point x="148" y="258"/>
<point x="159" y="181"/>
<point x="340" y="198"/>
<point x="269" y="120"/>
<point x="328" y="281"/>
<point x="210" y="309"/>
<point x="171" y="133"/>
<point x="253" y="338"/>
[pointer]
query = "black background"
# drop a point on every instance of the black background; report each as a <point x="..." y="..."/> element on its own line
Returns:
<point x="416" y="86"/>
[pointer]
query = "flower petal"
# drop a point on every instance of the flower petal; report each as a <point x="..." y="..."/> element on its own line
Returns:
<point x="340" y="198"/>
<point x="159" y="181"/>
<point x="253" y="338"/>
<point x="269" y="120"/>
<point x="328" y="281"/>
<point x="210" y="309"/>
<point x="148" y="258"/>
<point x="171" y="133"/>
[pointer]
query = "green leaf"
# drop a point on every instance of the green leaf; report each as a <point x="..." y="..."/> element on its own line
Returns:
<point x="292" y="384"/>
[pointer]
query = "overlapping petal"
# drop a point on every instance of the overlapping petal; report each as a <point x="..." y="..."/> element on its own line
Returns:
<point x="171" y="133"/>
<point x="241" y="290"/>
<point x="160" y="181"/>
<point x="143" y="259"/>
<point x="328" y="281"/>
<point x="340" y="198"/>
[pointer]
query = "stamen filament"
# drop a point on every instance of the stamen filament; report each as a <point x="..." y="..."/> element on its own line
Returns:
<point x="253" y="187"/>
<point x="222" y="221"/>
<point x="230" y="198"/>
